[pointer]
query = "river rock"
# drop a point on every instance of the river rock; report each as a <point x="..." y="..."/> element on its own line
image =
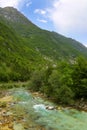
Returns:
<point x="50" y="107"/>
<point x="10" y="126"/>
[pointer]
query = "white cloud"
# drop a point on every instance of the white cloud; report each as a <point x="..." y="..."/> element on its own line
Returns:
<point x="42" y="20"/>
<point x="69" y="17"/>
<point x="40" y="11"/>
<point x="14" y="3"/>
<point x="85" y="45"/>
<point x="29" y="3"/>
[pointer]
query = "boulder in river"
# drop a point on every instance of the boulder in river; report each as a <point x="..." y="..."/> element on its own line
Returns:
<point x="50" y="107"/>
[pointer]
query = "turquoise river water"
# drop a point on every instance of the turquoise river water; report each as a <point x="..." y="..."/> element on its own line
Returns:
<point x="33" y="109"/>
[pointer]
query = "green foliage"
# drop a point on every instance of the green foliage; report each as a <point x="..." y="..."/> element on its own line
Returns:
<point x="79" y="77"/>
<point x="17" y="60"/>
<point x="25" y="48"/>
<point x="62" y="83"/>
<point x="37" y="80"/>
<point x="64" y="95"/>
<point x="52" y="82"/>
<point x="30" y="53"/>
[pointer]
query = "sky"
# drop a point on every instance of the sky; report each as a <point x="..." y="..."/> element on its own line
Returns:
<point x="67" y="17"/>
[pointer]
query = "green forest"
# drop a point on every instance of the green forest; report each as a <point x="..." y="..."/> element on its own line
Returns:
<point x="64" y="82"/>
<point x="52" y="64"/>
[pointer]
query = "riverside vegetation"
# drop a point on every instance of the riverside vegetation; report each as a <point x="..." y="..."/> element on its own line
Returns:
<point x="47" y="60"/>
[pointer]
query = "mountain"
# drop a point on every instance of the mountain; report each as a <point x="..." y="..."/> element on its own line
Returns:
<point x="25" y="47"/>
<point x="49" y="44"/>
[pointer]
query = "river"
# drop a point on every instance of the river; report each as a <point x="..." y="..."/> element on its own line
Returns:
<point x="34" y="115"/>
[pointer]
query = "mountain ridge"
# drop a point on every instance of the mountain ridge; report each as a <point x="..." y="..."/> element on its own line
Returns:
<point x="25" y="47"/>
<point x="48" y="40"/>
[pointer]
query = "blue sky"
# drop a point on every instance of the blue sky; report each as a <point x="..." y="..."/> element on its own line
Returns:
<point x="36" y="12"/>
<point x="67" y="17"/>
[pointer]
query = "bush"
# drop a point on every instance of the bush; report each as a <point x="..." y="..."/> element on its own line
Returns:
<point x="37" y="80"/>
<point x="79" y="77"/>
<point x="64" y="95"/>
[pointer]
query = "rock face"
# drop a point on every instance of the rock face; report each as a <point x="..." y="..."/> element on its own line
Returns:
<point x="13" y="15"/>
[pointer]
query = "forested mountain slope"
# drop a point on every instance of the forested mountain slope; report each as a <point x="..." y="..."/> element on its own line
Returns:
<point x="24" y="47"/>
<point x="48" y="43"/>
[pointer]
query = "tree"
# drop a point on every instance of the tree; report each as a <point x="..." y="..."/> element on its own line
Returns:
<point x="79" y="77"/>
<point x="64" y="95"/>
<point x="37" y="80"/>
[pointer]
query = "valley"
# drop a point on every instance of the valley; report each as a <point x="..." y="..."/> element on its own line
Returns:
<point x="43" y="77"/>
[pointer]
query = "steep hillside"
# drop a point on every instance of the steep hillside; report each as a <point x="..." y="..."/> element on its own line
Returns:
<point x="16" y="59"/>
<point x="24" y="47"/>
<point x="50" y="44"/>
<point x="17" y="20"/>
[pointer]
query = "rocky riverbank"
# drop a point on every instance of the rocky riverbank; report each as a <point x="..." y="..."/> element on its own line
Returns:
<point x="12" y="118"/>
<point x="80" y="105"/>
<point x="6" y="117"/>
<point x="15" y="115"/>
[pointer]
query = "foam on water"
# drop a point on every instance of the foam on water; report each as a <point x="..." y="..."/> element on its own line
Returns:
<point x="38" y="107"/>
<point x="51" y="119"/>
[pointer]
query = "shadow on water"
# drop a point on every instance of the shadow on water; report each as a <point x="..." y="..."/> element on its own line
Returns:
<point x="32" y="113"/>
